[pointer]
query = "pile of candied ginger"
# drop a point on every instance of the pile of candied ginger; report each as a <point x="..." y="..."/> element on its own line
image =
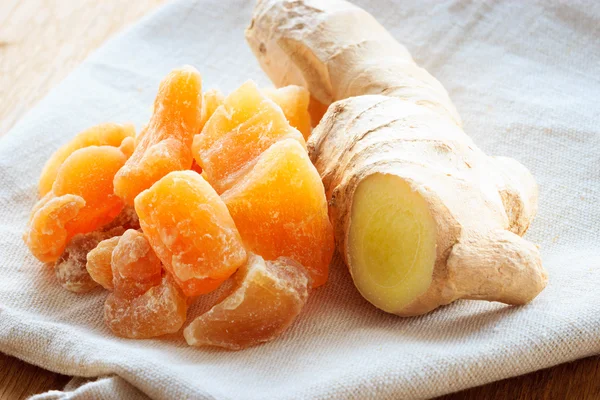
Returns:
<point x="214" y="193"/>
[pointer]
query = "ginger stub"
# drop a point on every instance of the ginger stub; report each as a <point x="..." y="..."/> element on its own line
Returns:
<point x="265" y="299"/>
<point x="191" y="231"/>
<point x="165" y="144"/>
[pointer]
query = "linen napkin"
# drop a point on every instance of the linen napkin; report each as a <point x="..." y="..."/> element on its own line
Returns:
<point x="524" y="77"/>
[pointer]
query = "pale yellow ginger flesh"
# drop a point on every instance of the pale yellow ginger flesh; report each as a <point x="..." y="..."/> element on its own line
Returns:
<point x="391" y="242"/>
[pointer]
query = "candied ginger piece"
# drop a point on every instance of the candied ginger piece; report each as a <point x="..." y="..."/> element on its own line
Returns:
<point x="159" y="311"/>
<point x="70" y="269"/>
<point x="98" y="264"/>
<point x="107" y="134"/>
<point x="211" y="100"/>
<point x="280" y="209"/>
<point x="46" y="235"/>
<point x="293" y="101"/>
<point x="264" y="301"/>
<point x="191" y="231"/>
<point x="135" y="266"/>
<point x="165" y="145"/>
<point x="237" y="133"/>
<point x="88" y="173"/>
<point x="144" y="303"/>
<point x="81" y="201"/>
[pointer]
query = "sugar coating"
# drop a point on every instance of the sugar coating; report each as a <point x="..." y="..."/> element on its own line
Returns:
<point x="144" y="303"/>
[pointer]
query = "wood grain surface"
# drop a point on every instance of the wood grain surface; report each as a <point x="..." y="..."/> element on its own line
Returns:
<point x="41" y="41"/>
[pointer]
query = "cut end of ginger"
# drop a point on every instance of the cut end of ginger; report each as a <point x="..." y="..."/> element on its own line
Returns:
<point x="265" y="299"/>
<point x="392" y="242"/>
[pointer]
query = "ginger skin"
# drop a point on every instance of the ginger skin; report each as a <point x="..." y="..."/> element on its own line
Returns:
<point x="422" y="217"/>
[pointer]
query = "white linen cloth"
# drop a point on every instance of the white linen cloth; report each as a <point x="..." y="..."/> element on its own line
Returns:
<point x="525" y="79"/>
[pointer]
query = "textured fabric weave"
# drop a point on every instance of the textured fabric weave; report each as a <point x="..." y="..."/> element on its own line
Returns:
<point x="524" y="77"/>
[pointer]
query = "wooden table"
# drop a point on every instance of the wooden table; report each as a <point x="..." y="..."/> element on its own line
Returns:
<point x="41" y="41"/>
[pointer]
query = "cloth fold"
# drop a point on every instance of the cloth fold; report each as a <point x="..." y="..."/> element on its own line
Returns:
<point x="524" y="79"/>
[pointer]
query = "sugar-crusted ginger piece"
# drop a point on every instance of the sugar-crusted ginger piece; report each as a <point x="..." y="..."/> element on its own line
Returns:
<point x="421" y="215"/>
<point x="237" y="133"/>
<point x="294" y="102"/>
<point x="165" y="145"/>
<point x="191" y="231"/>
<point x="70" y="269"/>
<point x="107" y="134"/>
<point x="280" y="209"/>
<point x="81" y="200"/>
<point x="98" y="262"/>
<point x="265" y="299"/>
<point x="144" y="303"/>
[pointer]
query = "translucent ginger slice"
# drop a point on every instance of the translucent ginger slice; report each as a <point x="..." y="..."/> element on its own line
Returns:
<point x="165" y="145"/>
<point x="294" y="101"/>
<point x="144" y="303"/>
<point x="280" y="209"/>
<point x="98" y="262"/>
<point x="107" y="134"/>
<point x="70" y="269"/>
<point x="237" y="133"/>
<point x="191" y="231"/>
<point x="264" y="301"/>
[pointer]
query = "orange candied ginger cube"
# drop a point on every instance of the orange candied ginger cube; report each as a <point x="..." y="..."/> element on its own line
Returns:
<point x="108" y="134"/>
<point x="293" y="101"/>
<point x="280" y="209"/>
<point x="264" y="301"/>
<point x="144" y="303"/>
<point x="191" y="231"/>
<point x="81" y="200"/>
<point x="237" y="133"/>
<point x="211" y="100"/>
<point x="98" y="262"/>
<point x="165" y="145"/>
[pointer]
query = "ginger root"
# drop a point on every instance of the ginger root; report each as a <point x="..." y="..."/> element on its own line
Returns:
<point x="422" y="217"/>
